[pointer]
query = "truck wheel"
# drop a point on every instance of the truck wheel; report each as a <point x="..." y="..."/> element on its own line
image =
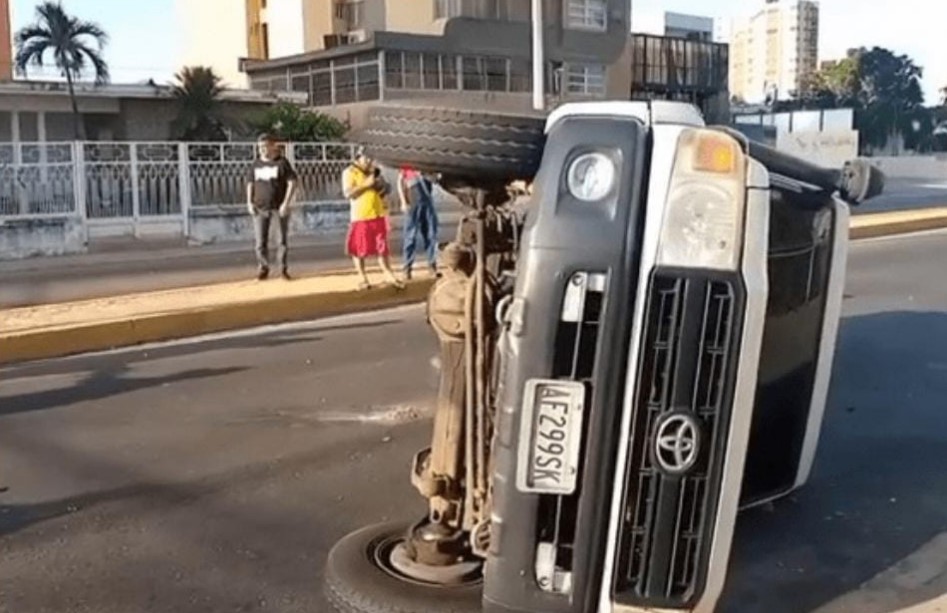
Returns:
<point x="465" y="146"/>
<point x="361" y="579"/>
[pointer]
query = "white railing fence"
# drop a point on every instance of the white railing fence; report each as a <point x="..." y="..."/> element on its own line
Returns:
<point x="131" y="181"/>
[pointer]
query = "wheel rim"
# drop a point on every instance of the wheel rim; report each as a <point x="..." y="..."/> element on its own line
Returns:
<point x="390" y="555"/>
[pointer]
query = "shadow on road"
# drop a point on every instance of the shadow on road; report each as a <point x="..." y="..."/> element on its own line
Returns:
<point x="122" y="358"/>
<point x="879" y="488"/>
<point x="100" y="385"/>
<point x="234" y="535"/>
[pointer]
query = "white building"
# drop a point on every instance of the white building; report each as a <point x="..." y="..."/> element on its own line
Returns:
<point x="775" y="51"/>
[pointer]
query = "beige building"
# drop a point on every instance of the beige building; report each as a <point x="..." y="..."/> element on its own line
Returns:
<point x="464" y="52"/>
<point x="211" y="33"/>
<point x="774" y="52"/>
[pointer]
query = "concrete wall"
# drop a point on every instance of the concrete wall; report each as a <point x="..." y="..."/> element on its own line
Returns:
<point x="146" y="119"/>
<point x="232" y="223"/>
<point x="830" y="148"/>
<point x="933" y="167"/>
<point x="150" y="120"/>
<point x="24" y="238"/>
<point x="414" y="17"/>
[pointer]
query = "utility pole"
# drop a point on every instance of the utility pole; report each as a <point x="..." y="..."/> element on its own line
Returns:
<point x="539" y="73"/>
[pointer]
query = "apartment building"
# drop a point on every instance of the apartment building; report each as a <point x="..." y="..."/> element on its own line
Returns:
<point x="459" y="52"/>
<point x="774" y="52"/>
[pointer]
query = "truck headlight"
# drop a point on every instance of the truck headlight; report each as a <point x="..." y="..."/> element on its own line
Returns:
<point x="703" y="219"/>
<point x="591" y="176"/>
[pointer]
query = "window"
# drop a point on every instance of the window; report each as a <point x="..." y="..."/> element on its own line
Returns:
<point x="586" y="79"/>
<point x="493" y="9"/>
<point x="431" y="71"/>
<point x="352" y="12"/>
<point x="474" y="74"/>
<point x="446" y="9"/>
<point x="412" y="70"/>
<point x="587" y="14"/>
<point x="498" y="72"/>
<point x="449" y="71"/>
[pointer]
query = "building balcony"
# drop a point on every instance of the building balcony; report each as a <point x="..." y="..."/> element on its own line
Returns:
<point x="663" y="64"/>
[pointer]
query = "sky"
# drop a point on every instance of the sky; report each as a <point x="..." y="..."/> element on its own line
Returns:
<point x="143" y="42"/>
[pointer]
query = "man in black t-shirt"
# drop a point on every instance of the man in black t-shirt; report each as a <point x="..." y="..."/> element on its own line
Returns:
<point x="270" y="190"/>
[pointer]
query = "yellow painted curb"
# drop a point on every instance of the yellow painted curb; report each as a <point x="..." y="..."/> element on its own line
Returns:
<point x="874" y="225"/>
<point x="68" y="340"/>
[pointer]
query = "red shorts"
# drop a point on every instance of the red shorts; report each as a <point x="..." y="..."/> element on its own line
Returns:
<point x="368" y="238"/>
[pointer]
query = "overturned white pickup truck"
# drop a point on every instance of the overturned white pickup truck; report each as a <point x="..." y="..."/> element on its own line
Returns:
<point x="627" y="360"/>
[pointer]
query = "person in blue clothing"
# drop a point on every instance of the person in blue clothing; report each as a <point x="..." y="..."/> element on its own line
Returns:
<point x="415" y="190"/>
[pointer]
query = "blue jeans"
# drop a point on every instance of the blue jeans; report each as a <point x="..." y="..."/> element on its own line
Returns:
<point x="420" y="226"/>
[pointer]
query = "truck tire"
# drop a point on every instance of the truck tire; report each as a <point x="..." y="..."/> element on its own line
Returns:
<point x="356" y="583"/>
<point x="473" y="148"/>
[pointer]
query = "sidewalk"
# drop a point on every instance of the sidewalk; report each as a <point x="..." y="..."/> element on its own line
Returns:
<point x="124" y="266"/>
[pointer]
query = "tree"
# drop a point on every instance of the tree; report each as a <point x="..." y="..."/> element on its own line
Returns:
<point x="837" y="85"/>
<point x="891" y="97"/>
<point x="200" y="113"/>
<point x="75" y="46"/>
<point x="883" y="88"/>
<point x="290" y="122"/>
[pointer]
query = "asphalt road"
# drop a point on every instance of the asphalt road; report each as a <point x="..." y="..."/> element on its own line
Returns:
<point x="903" y="194"/>
<point x="215" y="475"/>
<point x="123" y="268"/>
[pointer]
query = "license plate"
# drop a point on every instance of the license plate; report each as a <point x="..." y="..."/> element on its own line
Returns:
<point x="550" y="437"/>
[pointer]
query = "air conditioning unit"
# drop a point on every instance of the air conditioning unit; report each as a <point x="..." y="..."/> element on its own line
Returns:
<point x="358" y="36"/>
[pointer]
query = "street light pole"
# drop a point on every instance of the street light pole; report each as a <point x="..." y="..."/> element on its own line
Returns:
<point x="539" y="81"/>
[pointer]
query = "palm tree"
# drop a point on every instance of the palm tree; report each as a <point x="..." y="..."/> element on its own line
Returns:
<point x="201" y="114"/>
<point x="74" y="45"/>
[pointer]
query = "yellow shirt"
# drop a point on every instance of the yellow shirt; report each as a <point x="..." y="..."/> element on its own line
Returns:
<point x="370" y="205"/>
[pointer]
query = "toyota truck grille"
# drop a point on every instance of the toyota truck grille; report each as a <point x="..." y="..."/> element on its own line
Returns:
<point x="680" y="422"/>
<point x="576" y="345"/>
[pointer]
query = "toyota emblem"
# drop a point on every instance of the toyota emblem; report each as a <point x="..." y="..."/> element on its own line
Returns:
<point x="677" y="443"/>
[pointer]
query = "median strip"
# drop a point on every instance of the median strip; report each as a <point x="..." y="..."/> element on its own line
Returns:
<point x="874" y="225"/>
<point x="57" y="330"/>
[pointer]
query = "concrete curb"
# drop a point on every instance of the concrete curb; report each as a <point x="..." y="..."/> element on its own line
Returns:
<point x="44" y="343"/>
<point x="68" y="340"/>
<point x="875" y="225"/>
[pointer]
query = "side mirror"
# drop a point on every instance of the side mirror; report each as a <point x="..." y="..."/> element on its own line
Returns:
<point x="860" y="181"/>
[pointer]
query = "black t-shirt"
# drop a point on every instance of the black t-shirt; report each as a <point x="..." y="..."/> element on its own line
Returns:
<point x="270" y="180"/>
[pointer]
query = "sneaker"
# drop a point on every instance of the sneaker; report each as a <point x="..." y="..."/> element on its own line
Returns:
<point x="286" y="276"/>
<point x="262" y="274"/>
<point x="407" y="274"/>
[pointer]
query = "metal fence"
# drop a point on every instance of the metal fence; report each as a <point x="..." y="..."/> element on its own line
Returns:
<point x="102" y="181"/>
